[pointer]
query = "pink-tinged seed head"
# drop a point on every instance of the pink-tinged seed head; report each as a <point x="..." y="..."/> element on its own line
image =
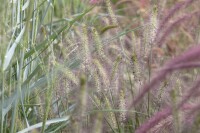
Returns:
<point x="159" y="116"/>
<point x="144" y="128"/>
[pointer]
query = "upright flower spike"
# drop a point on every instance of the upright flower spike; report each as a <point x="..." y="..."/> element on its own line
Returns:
<point x="115" y="22"/>
<point x="97" y="82"/>
<point x="97" y="101"/>
<point x="150" y="32"/>
<point x="86" y="49"/>
<point x="111" y="115"/>
<point x="102" y="73"/>
<point x="99" y="46"/>
<point x="122" y="105"/>
<point x="154" y="24"/>
<point x="111" y="13"/>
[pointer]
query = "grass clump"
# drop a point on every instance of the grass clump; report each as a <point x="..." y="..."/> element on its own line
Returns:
<point x="99" y="66"/>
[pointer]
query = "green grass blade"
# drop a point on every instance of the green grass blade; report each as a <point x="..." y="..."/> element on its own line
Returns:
<point x="8" y="103"/>
<point x="46" y="43"/>
<point x="10" y="52"/>
<point x="48" y="122"/>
